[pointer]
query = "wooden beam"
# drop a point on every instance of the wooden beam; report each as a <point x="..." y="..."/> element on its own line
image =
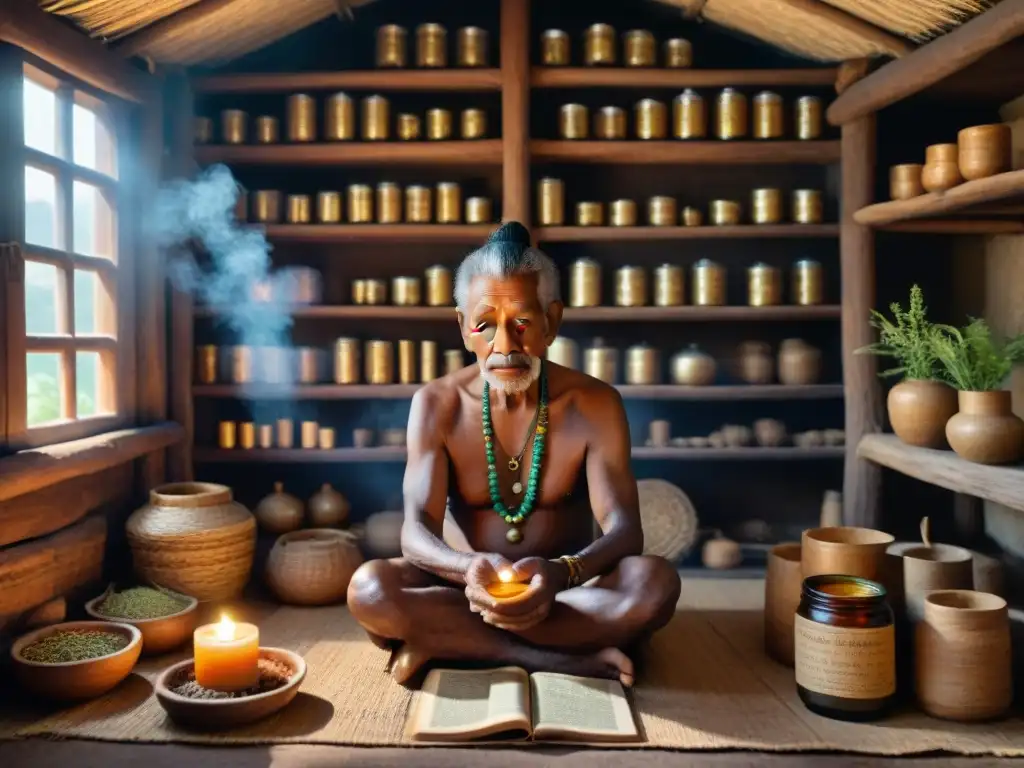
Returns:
<point x="998" y="187"/>
<point x="138" y="42"/>
<point x="930" y="63"/>
<point x="955" y="227"/>
<point x="515" y="110"/>
<point x="891" y="44"/>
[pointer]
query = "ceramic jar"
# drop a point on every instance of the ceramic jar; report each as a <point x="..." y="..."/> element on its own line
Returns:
<point x="693" y="368"/>
<point x="984" y="150"/>
<point x="905" y="181"/>
<point x="721" y="553"/>
<point x="328" y="508"/>
<point x="769" y="433"/>
<point x="985" y="430"/>
<point x="756" y="365"/>
<point x="799" y="363"/>
<point x="312" y="567"/>
<point x="918" y="411"/>
<point x="279" y="512"/>
<point x="941" y="171"/>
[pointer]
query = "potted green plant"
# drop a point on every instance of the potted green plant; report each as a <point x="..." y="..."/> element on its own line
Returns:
<point x="920" y="405"/>
<point x="985" y="430"/>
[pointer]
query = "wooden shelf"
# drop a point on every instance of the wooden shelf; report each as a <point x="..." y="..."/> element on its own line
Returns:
<point x="378" y="233"/>
<point x="1003" y="485"/>
<point x="999" y="187"/>
<point x="685" y="152"/>
<point x="355" y="153"/>
<point x="375" y="79"/>
<point x="629" y="234"/>
<point x="739" y="454"/>
<point x="622" y="77"/>
<point x="628" y="391"/>
<point x="955" y="227"/>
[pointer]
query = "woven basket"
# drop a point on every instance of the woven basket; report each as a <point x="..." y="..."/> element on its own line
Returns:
<point x="668" y="517"/>
<point x="193" y="538"/>
<point x="312" y="567"/>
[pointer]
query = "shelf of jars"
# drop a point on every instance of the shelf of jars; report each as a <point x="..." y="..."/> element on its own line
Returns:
<point x="465" y="79"/>
<point x="378" y="233"/>
<point x="647" y="233"/>
<point x="683" y="152"/>
<point x="679" y="77"/>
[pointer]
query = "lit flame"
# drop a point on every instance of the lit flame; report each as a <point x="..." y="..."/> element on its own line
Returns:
<point x="505" y="575"/>
<point x="225" y="629"/>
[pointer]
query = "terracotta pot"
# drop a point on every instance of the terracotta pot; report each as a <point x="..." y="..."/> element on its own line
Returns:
<point x="312" y="567"/>
<point x="845" y="550"/>
<point x="799" y="363"/>
<point x="782" y="585"/>
<point x="756" y="365"/>
<point x="926" y="569"/>
<point x="986" y="431"/>
<point x="279" y="512"/>
<point x="941" y="170"/>
<point x="984" y="150"/>
<point x="327" y="508"/>
<point x="918" y="411"/>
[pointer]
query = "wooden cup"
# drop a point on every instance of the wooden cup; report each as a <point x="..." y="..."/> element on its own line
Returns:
<point x="846" y="551"/>
<point x="926" y="569"/>
<point x="941" y="170"/>
<point x="782" y="584"/>
<point x="984" y="150"/>
<point x="905" y="181"/>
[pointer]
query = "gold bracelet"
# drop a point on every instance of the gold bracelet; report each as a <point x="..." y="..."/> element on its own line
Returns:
<point x="575" y="566"/>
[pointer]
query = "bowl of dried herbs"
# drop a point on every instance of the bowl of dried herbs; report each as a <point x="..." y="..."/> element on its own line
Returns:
<point x="76" y="660"/>
<point x="165" y="618"/>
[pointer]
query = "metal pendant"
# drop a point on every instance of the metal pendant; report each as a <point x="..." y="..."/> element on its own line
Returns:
<point x="513" y="464"/>
<point x="514" y="536"/>
<point x="517" y="487"/>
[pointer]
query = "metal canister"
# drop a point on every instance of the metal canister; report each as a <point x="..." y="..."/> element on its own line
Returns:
<point x="610" y="123"/>
<point x="375" y="118"/>
<point x="589" y="214"/>
<point x="227" y="433"/>
<point x="206" y="364"/>
<point x="301" y="117"/>
<point x="691" y="217"/>
<point x="309" y="365"/>
<point x="678" y="53"/>
<point x="808" y="118"/>
<point x="651" y="119"/>
<point x="389" y="203"/>
<point x="585" y="283"/>
<point x="764" y="285"/>
<point x="554" y="48"/>
<point x="725" y="212"/>
<point x="431" y="46"/>
<point x="551" y="193"/>
<point x="630" y="287"/>
<point x="346" y="361"/>
<point x="572" y="121"/>
<point x="428" y="361"/>
<point x="622" y="213"/>
<point x="479" y="210"/>
<point x="408" y="126"/>
<point x="360" y="204"/>
<point x="285" y="433"/>
<point x="328" y="207"/>
<point x="406" y="362"/>
<point x="807" y="208"/>
<point x="308" y="434"/>
<point x="391" y="46"/>
<point x="708" y="280"/>
<point x="767" y="115"/>
<point x="669" y="286"/>
<point x="358" y="291"/>
<point x="661" y="211"/>
<point x="642" y="365"/>
<point x="265" y="436"/>
<point x="241" y="364"/>
<point x="340" y="119"/>
<point x="731" y="115"/>
<point x="439" y="286"/>
<point x="380" y="362"/>
<point x="599" y="45"/>
<point x="203" y="130"/>
<point x="449" y="203"/>
<point x="267" y="130"/>
<point x="233" y="126"/>
<point x="766" y="206"/>
<point x="639" y="48"/>
<point x="563" y="351"/>
<point x="473" y="124"/>
<point x="418" y="204"/>
<point x="453" y="361"/>
<point x="439" y="124"/>
<point x="601" y="362"/>
<point x="325" y="438"/>
<point x="689" y="116"/>
<point x="471" y="47"/>
<point x="376" y="292"/>
<point x="299" y="209"/>
<point x="405" y="291"/>
<point x="808" y="283"/>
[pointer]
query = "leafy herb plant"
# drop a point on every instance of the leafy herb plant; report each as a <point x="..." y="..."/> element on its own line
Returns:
<point x="974" y="361"/>
<point x="909" y="338"/>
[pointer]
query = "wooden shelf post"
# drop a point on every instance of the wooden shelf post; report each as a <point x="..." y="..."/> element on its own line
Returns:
<point x="515" y="110"/>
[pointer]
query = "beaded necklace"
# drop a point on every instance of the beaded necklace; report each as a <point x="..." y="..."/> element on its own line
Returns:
<point x="516" y="514"/>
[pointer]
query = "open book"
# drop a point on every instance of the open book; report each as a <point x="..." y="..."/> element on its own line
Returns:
<point x="508" y="703"/>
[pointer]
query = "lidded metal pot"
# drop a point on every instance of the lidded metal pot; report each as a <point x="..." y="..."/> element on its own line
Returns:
<point x="642" y="365"/>
<point x="601" y="362"/>
<point x="563" y="351"/>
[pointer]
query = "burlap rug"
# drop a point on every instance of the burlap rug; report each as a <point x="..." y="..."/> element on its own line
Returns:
<point x="706" y="686"/>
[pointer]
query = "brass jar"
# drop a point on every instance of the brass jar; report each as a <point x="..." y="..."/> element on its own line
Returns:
<point x="678" y="53"/>
<point x="380" y="362"/>
<point x="453" y="361"/>
<point x="599" y="45"/>
<point x="590" y="214"/>
<point x="808" y="118"/>
<point x="409" y="127"/>
<point x="905" y="181"/>
<point x="346" y="361"/>
<point x="389" y="203"/>
<point x="325" y="438"/>
<point x="471" y="47"/>
<point x="301" y="111"/>
<point x="285" y="433"/>
<point x="669" y="286"/>
<point x="572" y="121"/>
<point x="431" y="46"/>
<point x="241" y="364"/>
<point x="308" y="434"/>
<point x="340" y="118"/>
<point x="439" y="124"/>
<point x="309" y="365"/>
<point x="234" y="125"/>
<point x="266" y="206"/>
<point x="564" y="352"/>
<point x="630" y="287"/>
<point x="418" y="204"/>
<point x="203" y="130"/>
<point x="622" y="213"/>
<point x="267" y="130"/>
<point x="328" y="207"/>
<point x="473" y="124"/>
<point x="725" y="212"/>
<point x="708" y="280"/>
<point x="691" y="217"/>
<point x="693" y="368"/>
<point x="807" y="207"/>
<point x="360" y="204"/>
<point x="768" y="123"/>
<point x="479" y="210"/>
<point x="808" y="287"/>
<point x="439" y="286"/>
<point x="406" y="362"/>
<point x="585" y="283"/>
<point x="731" y="115"/>
<point x="265" y="436"/>
<point x="375" y="118"/>
<point x="639" y="48"/>
<point x="554" y="48"/>
<point x="428" y="361"/>
<point x="376" y="292"/>
<point x="766" y="206"/>
<point x="299" y="209"/>
<point x="551" y="205"/>
<point x="764" y="285"/>
<point x="449" y="203"/>
<point x="601" y="362"/>
<point x="661" y="211"/>
<point x="651" y="118"/>
<point x="610" y="123"/>
<point x="689" y="116"/>
<point x="405" y="291"/>
<point x="206" y="364"/>
<point x="227" y="433"/>
<point x="391" y="46"/>
<point x="643" y="366"/>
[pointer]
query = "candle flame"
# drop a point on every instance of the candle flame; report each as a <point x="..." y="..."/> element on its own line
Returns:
<point x="505" y="575"/>
<point x="225" y="629"/>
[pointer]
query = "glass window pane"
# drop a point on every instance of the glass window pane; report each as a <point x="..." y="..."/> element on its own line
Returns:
<point x="94" y="140"/>
<point x="94" y="222"/>
<point x="44" y="383"/>
<point x="87" y="296"/>
<point x="40" y="105"/>
<point x="87" y="373"/>
<point x="42" y="220"/>
<point x="41" y="297"/>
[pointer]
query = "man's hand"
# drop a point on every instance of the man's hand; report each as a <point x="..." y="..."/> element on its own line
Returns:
<point x="483" y="570"/>
<point x="545" y="579"/>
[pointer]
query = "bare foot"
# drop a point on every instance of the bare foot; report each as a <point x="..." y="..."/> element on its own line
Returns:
<point x="616" y="660"/>
<point x="609" y="664"/>
<point x="406" y="662"/>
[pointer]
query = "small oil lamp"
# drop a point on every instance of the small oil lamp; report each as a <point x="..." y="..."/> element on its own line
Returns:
<point x="506" y="587"/>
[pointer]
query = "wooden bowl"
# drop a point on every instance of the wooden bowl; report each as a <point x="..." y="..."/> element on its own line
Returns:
<point x="159" y="635"/>
<point x="905" y="181"/>
<point x="213" y="714"/>
<point x="984" y="150"/>
<point x="76" y="680"/>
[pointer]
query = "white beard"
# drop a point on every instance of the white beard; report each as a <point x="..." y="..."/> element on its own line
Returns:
<point x="519" y="384"/>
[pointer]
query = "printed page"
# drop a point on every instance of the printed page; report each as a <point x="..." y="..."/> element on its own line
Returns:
<point x="460" y="705"/>
<point x="580" y="709"/>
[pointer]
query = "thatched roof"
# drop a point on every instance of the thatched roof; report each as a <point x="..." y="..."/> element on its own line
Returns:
<point x="193" y="32"/>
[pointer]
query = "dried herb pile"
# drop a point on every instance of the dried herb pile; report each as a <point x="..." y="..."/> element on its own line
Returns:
<point x="74" y="645"/>
<point x="141" y="603"/>
<point x="273" y="675"/>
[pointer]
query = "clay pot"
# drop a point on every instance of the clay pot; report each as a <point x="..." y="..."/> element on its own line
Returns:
<point x="782" y="584"/>
<point x="905" y="181"/>
<point x="811" y="439"/>
<point x="928" y="568"/>
<point x="383" y="534"/>
<point x="941" y="170"/>
<point x="799" y="363"/>
<point x="846" y="550"/>
<point x="834" y="436"/>
<point x="693" y="368"/>
<point x="721" y="553"/>
<point x="918" y="411"/>
<point x="279" y="512"/>
<point x="769" y="432"/>
<point x="716" y="440"/>
<point x="312" y="567"/>
<point x="737" y="436"/>
<point x="756" y="365"/>
<point x="984" y="150"/>
<point x="328" y="508"/>
<point x="985" y="430"/>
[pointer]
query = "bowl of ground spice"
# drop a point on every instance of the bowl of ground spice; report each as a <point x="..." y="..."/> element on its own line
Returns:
<point x="165" y="618"/>
<point x="76" y="660"/>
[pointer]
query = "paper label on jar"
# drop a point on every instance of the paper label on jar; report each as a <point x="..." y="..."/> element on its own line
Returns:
<point x="845" y="662"/>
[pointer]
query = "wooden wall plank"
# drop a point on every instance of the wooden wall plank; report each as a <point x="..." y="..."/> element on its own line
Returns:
<point x="515" y="110"/>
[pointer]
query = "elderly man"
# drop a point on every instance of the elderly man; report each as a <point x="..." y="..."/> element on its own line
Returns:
<point x="525" y="455"/>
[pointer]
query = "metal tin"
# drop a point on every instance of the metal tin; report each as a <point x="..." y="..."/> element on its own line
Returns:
<point x="808" y="118"/>
<point x="301" y="117"/>
<point x="241" y="364"/>
<point x="360" y="204"/>
<point x="678" y="53"/>
<point x="376" y="292"/>
<point x="766" y="206"/>
<point x="731" y="115"/>
<point x="439" y="124"/>
<point x="630" y="287"/>
<point x="202" y="130"/>
<point x="764" y="285"/>
<point x="807" y="208"/>
<point x="309" y="434"/>
<point x="572" y="121"/>
<point x="551" y="193"/>
<point x="267" y="130"/>
<point x="453" y="361"/>
<point x="206" y="364"/>
<point x="563" y="351"/>
<point x="346" y="361"/>
<point x="247" y="435"/>
<point x="639" y="48"/>
<point x="325" y="438"/>
<point x="309" y="365"/>
<point x="358" y="291"/>
<point x="380" y="362"/>
<point x="689" y="116"/>
<point x="449" y="203"/>
<point x="406" y="362"/>
<point x="473" y="124"/>
<point x="340" y="118"/>
<point x="808" y="283"/>
<point x="328" y="207"/>
<point x="418" y="204"/>
<point x="233" y="126"/>
<point x="590" y="214"/>
<point x="767" y="115"/>
<point x="471" y="47"/>
<point x="554" y="48"/>
<point x="375" y="118"/>
<point x="265" y="436"/>
<point x="610" y="123"/>
<point x="691" y="217"/>
<point x="428" y="361"/>
<point x="708" y="280"/>
<point x="601" y="362"/>
<point x="585" y="283"/>
<point x="389" y="203"/>
<point x="642" y="365"/>
<point x="669" y="286"/>
<point x="725" y="212"/>
<point x="431" y="46"/>
<point x="285" y="433"/>
<point x="409" y="127"/>
<point x="651" y="118"/>
<point x="299" y="209"/>
<point x="226" y="435"/>
<point x="622" y="213"/>
<point x="391" y="46"/>
<point x="661" y="211"/>
<point x="478" y="210"/>
<point x="405" y="291"/>
<point x="599" y="45"/>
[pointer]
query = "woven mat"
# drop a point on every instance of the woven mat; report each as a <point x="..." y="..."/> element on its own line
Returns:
<point x="706" y="685"/>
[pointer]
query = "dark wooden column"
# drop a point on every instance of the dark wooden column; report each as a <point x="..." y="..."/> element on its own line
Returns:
<point x="515" y="110"/>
